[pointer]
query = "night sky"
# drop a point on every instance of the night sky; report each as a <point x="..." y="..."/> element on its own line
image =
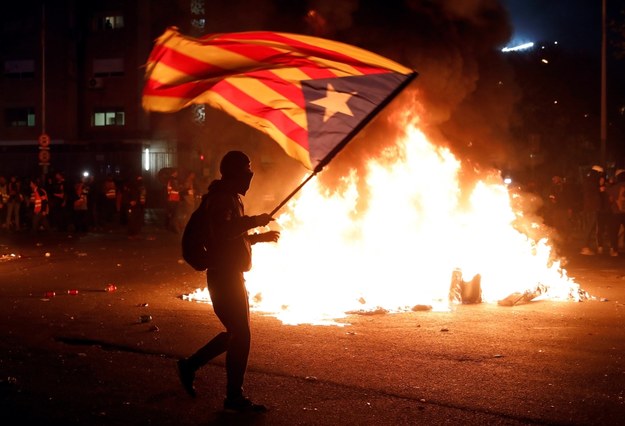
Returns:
<point x="575" y="24"/>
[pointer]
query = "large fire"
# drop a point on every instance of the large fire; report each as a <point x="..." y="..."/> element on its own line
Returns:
<point x="403" y="250"/>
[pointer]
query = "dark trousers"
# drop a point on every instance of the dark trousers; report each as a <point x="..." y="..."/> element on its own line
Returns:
<point x="230" y="303"/>
<point x="589" y="229"/>
<point x="135" y="220"/>
<point x="58" y="215"/>
<point x="39" y="220"/>
<point x="171" y="216"/>
<point x="603" y="227"/>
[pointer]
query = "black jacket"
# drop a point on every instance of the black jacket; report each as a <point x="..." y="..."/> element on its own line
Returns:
<point x="228" y="226"/>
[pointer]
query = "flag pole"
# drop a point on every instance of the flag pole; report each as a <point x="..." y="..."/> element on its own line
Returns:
<point x="348" y="139"/>
<point x="295" y="191"/>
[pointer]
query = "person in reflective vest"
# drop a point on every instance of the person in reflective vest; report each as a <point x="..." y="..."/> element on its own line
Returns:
<point x="173" y="202"/>
<point x="109" y="191"/>
<point x="39" y="207"/>
<point x="80" y="205"/>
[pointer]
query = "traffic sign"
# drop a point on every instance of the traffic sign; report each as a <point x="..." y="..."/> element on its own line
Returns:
<point x="44" y="140"/>
<point x="44" y="156"/>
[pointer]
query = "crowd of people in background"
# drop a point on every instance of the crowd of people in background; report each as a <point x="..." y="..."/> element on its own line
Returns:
<point x="590" y="213"/>
<point x="83" y="204"/>
<point x="593" y="210"/>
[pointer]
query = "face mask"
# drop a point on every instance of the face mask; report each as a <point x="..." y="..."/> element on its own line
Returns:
<point x="244" y="182"/>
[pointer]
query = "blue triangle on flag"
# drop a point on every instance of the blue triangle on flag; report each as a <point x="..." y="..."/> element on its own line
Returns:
<point x="362" y="94"/>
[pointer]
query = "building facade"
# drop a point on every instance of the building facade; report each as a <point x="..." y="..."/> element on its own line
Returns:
<point x="70" y="88"/>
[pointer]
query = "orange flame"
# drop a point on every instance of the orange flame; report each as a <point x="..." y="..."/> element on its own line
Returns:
<point x="401" y="251"/>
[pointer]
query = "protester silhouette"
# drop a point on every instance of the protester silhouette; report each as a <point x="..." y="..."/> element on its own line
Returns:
<point x="135" y="200"/>
<point x="14" y="204"/>
<point x="592" y="205"/>
<point x="172" y="206"/>
<point x="229" y="228"/>
<point x="559" y="206"/>
<point x="59" y="196"/>
<point x="617" y="207"/>
<point x="187" y="197"/>
<point x="603" y="215"/>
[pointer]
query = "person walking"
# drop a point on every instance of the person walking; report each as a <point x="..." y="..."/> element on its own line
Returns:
<point x="228" y="225"/>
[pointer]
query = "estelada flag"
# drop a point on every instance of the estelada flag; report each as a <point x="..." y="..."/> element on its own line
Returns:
<point x="309" y="94"/>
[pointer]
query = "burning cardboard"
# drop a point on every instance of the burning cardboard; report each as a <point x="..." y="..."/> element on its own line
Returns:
<point x="466" y="292"/>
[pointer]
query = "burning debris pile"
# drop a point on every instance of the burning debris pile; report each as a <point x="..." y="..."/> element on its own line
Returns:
<point x="393" y="217"/>
<point x="338" y="255"/>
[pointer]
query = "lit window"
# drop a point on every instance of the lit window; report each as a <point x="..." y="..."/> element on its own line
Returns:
<point x="20" y="117"/>
<point x="110" y="22"/>
<point x="112" y="117"/>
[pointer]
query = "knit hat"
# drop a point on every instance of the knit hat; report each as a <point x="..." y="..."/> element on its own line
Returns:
<point x="233" y="164"/>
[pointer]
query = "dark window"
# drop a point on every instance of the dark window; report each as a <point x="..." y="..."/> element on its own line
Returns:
<point x="110" y="67"/>
<point x="19" y="69"/>
<point x="19" y="21"/>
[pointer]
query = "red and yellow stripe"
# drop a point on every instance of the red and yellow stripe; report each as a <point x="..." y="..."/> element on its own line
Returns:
<point x="253" y="76"/>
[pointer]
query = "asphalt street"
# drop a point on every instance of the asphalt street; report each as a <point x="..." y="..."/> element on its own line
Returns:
<point x="102" y="357"/>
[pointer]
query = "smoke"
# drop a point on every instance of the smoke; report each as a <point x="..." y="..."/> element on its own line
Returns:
<point x="464" y="93"/>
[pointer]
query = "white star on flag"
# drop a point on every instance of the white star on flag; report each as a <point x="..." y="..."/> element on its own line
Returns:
<point x="334" y="102"/>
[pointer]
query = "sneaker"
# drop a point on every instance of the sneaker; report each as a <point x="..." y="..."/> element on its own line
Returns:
<point x="243" y="405"/>
<point x="587" y="252"/>
<point x="599" y="250"/>
<point x="613" y="253"/>
<point x="186" y="375"/>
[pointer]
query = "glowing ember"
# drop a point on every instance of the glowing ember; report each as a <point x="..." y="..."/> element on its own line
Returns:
<point x="9" y="256"/>
<point x="400" y="252"/>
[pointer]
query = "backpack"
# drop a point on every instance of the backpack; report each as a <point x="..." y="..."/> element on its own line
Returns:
<point x="197" y="247"/>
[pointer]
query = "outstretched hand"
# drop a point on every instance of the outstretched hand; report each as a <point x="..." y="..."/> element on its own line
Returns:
<point x="269" y="237"/>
